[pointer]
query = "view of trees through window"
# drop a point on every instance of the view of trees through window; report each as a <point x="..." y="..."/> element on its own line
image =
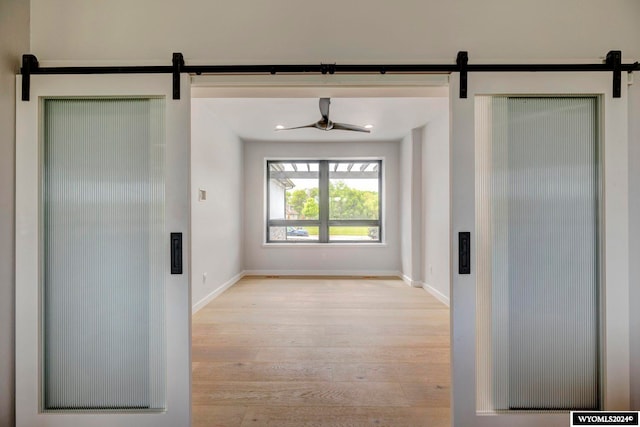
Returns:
<point x="304" y="202"/>
<point x="348" y="192"/>
<point x="345" y="202"/>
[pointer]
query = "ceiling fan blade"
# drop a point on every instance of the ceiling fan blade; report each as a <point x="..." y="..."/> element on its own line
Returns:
<point x="345" y="126"/>
<point x="324" y="107"/>
<point x="312" y="125"/>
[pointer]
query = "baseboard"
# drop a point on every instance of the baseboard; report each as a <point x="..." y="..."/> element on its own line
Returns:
<point x="409" y="281"/>
<point x="347" y="273"/>
<point x="436" y="293"/>
<point x="219" y="290"/>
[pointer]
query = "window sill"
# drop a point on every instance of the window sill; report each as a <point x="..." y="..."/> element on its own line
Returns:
<point x="324" y="245"/>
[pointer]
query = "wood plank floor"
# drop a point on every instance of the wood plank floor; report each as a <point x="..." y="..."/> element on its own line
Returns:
<point x="302" y="352"/>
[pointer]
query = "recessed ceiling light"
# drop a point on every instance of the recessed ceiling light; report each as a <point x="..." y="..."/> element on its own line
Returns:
<point x="279" y="127"/>
<point x="368" y="126"/>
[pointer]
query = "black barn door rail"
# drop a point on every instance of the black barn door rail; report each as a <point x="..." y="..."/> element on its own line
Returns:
<point x="613" y="63"/>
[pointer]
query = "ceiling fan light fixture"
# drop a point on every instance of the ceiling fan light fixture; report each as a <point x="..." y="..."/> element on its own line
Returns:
<point x="279" y="127"/>
<point x="368" y="126"/>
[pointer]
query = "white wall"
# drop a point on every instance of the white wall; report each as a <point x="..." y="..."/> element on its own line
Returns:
<point x="411" y="206"/>
<point x="417" y="212"/>
<point x="406" y="203"/>
<point x="230" y="31"/>
<point x="425" y="209"/>
<point x="436" y="271"/>
<point x="14" y="40"/>
<point x="217" y="222"/>
<point x="321" y="258"/>
<point x="227" y="32"/>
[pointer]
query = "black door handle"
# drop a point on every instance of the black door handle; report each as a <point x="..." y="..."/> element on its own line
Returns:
<point x="464" y="252"/>
<point x="176" y="253"/>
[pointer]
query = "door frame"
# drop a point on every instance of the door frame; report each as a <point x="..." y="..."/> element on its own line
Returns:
<point x="29" y="405"/>
<point x="614" y="246"/>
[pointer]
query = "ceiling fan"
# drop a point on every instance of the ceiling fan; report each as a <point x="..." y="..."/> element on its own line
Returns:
<point x="325" y="124"/>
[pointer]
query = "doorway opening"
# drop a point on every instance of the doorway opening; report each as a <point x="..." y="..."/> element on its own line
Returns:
<point x="316" y="326"/>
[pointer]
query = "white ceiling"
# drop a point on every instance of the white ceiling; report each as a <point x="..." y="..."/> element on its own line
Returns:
<point x="256" y="118"/>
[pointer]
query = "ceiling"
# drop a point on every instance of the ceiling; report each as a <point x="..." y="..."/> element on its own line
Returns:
<point x="256" y="118"/>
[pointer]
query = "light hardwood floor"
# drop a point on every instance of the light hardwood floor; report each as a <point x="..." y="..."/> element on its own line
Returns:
<point x="301" y="352"/>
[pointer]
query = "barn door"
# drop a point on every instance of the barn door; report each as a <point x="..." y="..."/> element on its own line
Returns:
<point x="540" y="274"/>
<point x="102" y="295"/>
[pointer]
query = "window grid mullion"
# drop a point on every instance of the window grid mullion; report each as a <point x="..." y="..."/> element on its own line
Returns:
<point x="267" y="183"/>
<point x="380" y="195"/>
<point x="323" y="194"/>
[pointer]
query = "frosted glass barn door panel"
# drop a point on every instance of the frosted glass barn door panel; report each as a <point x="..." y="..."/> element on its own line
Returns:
<point x="104" y="248"/>
<point x="537" y="219"/>
<point x="553" y="253"/>
<point x="102" y="319"/>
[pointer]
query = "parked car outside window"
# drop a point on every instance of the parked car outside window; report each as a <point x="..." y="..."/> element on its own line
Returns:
<point x="292" y="231"/>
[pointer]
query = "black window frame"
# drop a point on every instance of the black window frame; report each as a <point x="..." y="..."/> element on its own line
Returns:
<point x="324" y="222"/>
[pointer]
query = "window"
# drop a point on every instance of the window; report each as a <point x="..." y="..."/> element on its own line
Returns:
<point x="322" y="201"/>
